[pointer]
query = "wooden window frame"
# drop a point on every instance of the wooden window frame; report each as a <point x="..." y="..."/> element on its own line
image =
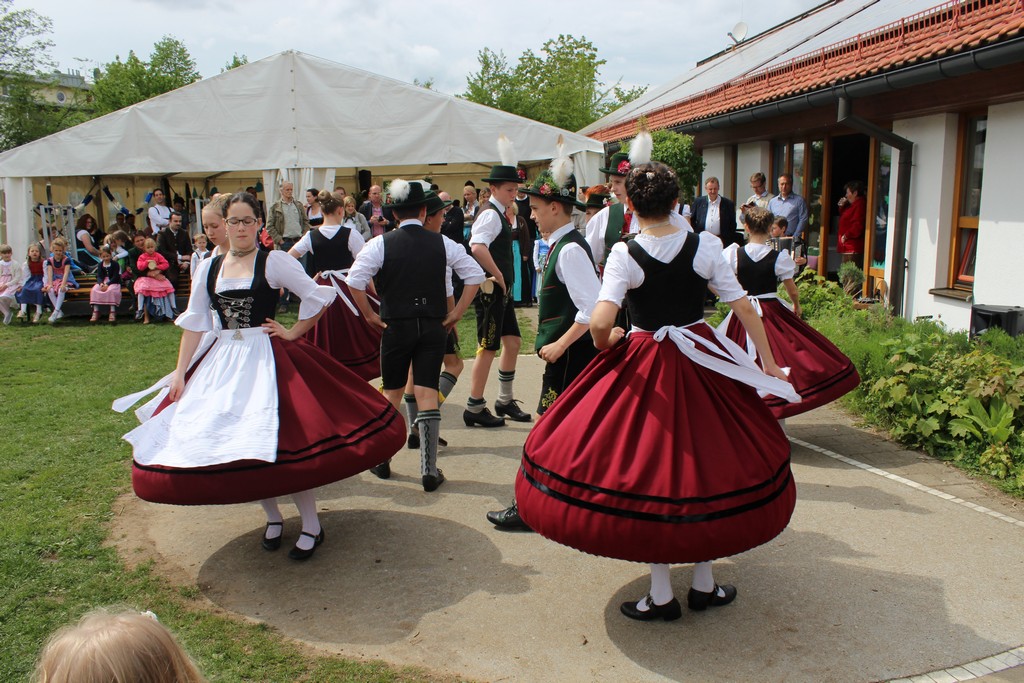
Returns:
<point x="956" y="279"/>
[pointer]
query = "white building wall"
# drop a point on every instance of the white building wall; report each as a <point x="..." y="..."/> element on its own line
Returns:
<point x="717" y="160"/>
<point x="930" y="214"/>
<point x="999" y="275"/>
<point x="751" y="157"/>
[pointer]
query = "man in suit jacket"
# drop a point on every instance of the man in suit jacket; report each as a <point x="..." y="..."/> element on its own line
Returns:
<point x="716" y="214"/>
<point x="175" y="245"/>
<point x="377" y="214"/>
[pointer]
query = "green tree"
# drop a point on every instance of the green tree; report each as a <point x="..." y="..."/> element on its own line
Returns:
<point x="121" y="84"/>
<point x="560" y="86"/>
<point x="25" y="116"/>
<point x="236" y="61"/>
<point x="23" y="50"/>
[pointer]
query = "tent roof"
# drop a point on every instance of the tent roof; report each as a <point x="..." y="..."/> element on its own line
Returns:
<point x="289" y="110"/>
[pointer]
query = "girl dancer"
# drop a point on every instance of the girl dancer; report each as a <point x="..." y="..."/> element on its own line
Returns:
<point x="257" y="416"/>
<point x="636" y="460"/>
<point x="819" y="371"/>
<point x="341" y="331"/>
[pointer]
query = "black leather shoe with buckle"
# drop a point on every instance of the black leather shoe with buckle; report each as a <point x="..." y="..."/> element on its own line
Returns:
<point x="670" y="611"/>
<point x="431" y="482"/>
<point x="699" y="601"/>
<point x="297" y="553"/>
<point x="512" y="411"/>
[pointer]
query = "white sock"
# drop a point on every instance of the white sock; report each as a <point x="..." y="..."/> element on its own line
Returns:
<point x="24" y="308"/>
<point x="305" y="501"/>
<point x="273" y="513"/>
<point x="661" y="586"/>
<point x="703" y="579"/>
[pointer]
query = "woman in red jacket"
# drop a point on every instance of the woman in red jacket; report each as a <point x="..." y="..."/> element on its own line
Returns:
<point x="852" y="212"/>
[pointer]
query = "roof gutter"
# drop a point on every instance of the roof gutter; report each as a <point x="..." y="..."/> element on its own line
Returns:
<point x="900" y="264"/>
<point x="985" y="58"/>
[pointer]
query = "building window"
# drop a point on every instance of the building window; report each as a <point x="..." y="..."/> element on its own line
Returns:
<point x="967" y="202"/>
<point x="61" y="97"/>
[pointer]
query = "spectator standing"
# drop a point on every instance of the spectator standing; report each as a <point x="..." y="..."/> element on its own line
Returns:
<point x="159" y="213"/>
<point x="852" y="214"/>
<point x="790" y="205"/>
<point x="378" y="215"/>
<point x="286" y="225"/>
<point x="453" y="224"/>
<point x="715" y="213"/>
<point x="314" y="213"/>
<point x="761" y="196"/>
<point x="353" y="219"/>
<point x="199" y="254"/>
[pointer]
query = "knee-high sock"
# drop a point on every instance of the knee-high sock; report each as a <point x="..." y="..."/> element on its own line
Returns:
<point x="57" y="298"/>
<point x="661" y="586"/>
<point x="305" y="501"/>
<point x="703" y="579"/>
<point x="273" y="513"/>
<point x="429" y="422"/>
<point x="411" y="410"/>
<point x="505" y="380"/>
<point x="445" y="385"/>
<point x="5" y="304"/>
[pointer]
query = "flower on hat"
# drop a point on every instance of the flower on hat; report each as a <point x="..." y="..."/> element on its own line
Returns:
<point x="624" y="167"/>
<point x="544" y="189"/>
<point x="522" y="175"/>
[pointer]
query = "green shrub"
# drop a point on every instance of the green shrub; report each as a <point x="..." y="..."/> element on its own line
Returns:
<point x="930" y="388"/>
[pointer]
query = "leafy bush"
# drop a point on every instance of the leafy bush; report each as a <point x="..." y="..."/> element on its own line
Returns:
<point x="932" y="389"/>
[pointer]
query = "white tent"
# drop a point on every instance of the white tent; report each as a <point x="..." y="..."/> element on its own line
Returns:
<point x="289" y="114"/>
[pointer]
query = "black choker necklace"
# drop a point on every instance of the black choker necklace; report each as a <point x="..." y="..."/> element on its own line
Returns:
<point x="238" y="253"/>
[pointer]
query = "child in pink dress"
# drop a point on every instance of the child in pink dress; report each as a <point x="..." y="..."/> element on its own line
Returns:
<point x="154" y="290"/>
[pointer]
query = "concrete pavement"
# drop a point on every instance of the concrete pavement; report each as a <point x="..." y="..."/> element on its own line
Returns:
<point x="894" y="566"/>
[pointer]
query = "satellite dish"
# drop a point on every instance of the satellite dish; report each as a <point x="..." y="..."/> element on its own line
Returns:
<point x="738" y="33"/>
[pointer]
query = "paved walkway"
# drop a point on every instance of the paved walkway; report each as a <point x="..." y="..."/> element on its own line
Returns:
<point x="894" y="566"/>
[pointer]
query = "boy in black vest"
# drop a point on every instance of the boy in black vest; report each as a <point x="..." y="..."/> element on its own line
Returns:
<point x="569" y="288"/>
<point x="410" y="268"/>
<point x="613" y="222"/>
<point x="497" y="326"/>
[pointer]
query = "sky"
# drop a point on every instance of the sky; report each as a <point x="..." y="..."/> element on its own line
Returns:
<point x="645" y="42"/>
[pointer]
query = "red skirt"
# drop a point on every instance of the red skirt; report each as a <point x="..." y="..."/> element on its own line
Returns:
<point x="348" y="337"/>
<point x="333" y="425"/>
<point x="819" y="371"/>
<point x="650" y="457"/>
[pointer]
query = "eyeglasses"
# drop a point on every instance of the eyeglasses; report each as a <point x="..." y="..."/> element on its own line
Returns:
<point x="248" y="221"/>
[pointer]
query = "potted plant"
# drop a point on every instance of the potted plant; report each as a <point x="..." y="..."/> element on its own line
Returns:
<point x="851" y="277"/>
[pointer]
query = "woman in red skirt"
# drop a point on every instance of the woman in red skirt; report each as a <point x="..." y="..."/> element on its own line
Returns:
<point x="262" y="413"/>
<point x="819" y="371"/>
<point x="341" y="331"/>
<point x="662" y="451"/>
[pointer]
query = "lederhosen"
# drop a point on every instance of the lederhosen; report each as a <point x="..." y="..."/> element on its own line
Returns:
<point x="495" y="314"/>
<point x="556" y="314"/>
<point x="411" y="284"/>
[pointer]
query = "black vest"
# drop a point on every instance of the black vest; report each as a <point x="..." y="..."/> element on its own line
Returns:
<point x="501" y="247"/>
<point x="411" y="281"/>
<point x="242" y="308"/>
<point x="757" y="277"/>
<point x="330" y="254"/>
<point x="672" y="293"/>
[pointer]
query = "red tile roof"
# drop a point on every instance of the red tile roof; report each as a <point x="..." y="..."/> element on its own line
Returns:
<point x="946" y="29"/>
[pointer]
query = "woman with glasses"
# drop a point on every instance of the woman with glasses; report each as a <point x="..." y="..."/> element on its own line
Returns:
<point x="262" y="413"/>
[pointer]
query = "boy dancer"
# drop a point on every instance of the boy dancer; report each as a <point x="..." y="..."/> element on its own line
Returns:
<point x="497" y="327"/>
<point x="410" y="265"/>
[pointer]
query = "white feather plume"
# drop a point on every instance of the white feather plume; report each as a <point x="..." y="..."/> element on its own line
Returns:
<point x="399" y="190"/>
<point x="561" y="165"/>
<point x="641" y="148"/>
<point x="506" y="151"/>
<point x="424" y="184"/>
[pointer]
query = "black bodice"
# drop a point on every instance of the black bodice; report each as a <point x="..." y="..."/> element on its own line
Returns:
<point x="672" y="293"/>
<point x="757" y="277"/>
<point x="243" y="308"/>
<point x="330" y="253"/>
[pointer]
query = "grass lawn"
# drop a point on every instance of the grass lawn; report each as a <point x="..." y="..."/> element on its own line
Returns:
<point x="64" y="463"/>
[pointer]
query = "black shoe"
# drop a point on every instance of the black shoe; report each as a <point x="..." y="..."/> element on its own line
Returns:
<point x="431" y="482"/>
<point x="382" y="471"/>
<point x="508" y="519"/>
<point x="272" y="543"/>
<point x="698" y="601"/>
<point x="297" y="553"/>
<point x="670" y="611"/>
<point x="482" y="419"/>
<point x="512" y="411"/>
<point x="441" y="442"/>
